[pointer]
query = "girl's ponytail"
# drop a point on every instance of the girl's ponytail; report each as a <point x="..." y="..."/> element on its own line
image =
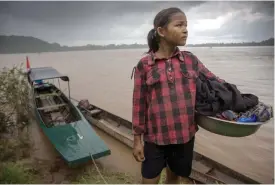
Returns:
<point x="152" y="41"/>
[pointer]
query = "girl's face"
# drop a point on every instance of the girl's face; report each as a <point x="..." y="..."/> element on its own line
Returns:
<point x="176" y="31"/>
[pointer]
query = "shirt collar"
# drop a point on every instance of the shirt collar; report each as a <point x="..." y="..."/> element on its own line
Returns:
<point x="153" y="58"/>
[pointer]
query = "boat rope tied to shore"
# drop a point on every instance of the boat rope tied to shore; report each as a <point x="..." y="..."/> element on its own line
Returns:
<point x="97" y="169"/>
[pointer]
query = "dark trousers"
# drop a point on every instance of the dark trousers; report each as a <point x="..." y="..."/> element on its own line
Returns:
<point x="177" y="157"/>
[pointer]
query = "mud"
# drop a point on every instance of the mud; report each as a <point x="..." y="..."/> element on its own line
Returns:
<point x="47" y="161"/>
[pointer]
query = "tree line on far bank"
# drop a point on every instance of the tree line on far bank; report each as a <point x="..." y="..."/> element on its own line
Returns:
<point x="22" y="44"/>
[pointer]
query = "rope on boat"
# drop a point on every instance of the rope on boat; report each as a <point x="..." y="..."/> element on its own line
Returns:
<point x="97" y="169"/>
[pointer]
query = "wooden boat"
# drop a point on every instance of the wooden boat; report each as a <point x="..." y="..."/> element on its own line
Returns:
<point x="204" y="169"/>
<point x="61" y="121"/>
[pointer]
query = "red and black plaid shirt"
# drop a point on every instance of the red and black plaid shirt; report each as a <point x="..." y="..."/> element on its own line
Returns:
<point x="164" y="97"/>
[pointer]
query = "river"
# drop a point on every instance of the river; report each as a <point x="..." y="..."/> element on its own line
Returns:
<point x="103" y="77"/>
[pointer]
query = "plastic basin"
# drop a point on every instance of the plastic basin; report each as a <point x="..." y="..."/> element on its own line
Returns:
<point x="227" y="128"/>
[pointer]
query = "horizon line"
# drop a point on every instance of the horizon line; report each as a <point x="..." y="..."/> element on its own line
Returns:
<point x="134" y="43"/>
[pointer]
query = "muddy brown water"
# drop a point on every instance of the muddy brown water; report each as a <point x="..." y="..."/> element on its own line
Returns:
<point x="103" y="77"/>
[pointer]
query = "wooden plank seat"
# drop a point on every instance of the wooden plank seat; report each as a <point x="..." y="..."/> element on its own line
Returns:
<point x="52" y="106"/>
<point x="95" y="111"/>
<point x="48" y="94"/>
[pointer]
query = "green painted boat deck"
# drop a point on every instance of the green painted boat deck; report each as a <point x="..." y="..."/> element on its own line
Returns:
<point x="77" y="142"/>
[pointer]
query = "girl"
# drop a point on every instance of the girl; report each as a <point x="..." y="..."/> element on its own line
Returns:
<point x="164" y="100"/>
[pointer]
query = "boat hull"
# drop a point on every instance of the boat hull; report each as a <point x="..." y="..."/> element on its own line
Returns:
<point x="76" y="142"/>
<point x="204" y="170"/>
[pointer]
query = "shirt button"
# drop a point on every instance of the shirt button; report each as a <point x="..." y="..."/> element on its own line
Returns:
<point x="170" y="69"/>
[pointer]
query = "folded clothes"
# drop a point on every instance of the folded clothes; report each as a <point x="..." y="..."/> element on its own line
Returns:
<point x="258" y="113"/>
<point x="252" y="118"/>
<point x="227" y="115"/>
<point x="263" y="112"/>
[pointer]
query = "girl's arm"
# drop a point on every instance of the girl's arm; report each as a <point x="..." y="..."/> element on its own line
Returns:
<point x="139" y="100"/>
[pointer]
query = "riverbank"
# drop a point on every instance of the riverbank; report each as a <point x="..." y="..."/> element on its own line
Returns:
<point x="26" y="170"/>
<point x="26" y="155"/>
<point x="30" y="158"/>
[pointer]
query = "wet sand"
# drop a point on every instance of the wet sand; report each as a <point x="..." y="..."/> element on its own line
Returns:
<point x="120" y="160"/>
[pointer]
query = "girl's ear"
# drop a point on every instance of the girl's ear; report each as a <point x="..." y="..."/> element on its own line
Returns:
<point x="161" y="31"/>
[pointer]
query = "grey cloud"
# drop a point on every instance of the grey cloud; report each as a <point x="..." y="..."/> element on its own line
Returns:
<point x="249" y="20"/>
<point x="105" y="22"/>
<point x="238" y="27"/>
<point x="264" y="7"/>
<point x="237" y="31"/>
<point x="212" y="9"/>
<point x="65" y="12"/>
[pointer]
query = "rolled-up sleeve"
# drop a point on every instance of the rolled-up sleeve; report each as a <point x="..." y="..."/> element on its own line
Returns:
<point x="208" y="74"/>
<point x="139" y="100"/>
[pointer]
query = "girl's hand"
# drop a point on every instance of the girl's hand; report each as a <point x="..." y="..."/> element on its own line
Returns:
<point x="138" y="152"/>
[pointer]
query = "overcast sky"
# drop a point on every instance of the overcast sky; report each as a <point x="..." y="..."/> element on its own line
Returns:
<point x="81" y="23"/>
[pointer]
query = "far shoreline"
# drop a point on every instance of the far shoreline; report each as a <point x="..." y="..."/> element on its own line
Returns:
<point x="137" y="48"/>
<point x="22" y="44"/>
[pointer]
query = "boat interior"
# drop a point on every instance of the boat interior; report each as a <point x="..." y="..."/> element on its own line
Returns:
<point x="53" y="106"/>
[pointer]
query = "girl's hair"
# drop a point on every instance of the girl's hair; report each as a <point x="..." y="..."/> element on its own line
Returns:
<point x="161" y="20"/>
